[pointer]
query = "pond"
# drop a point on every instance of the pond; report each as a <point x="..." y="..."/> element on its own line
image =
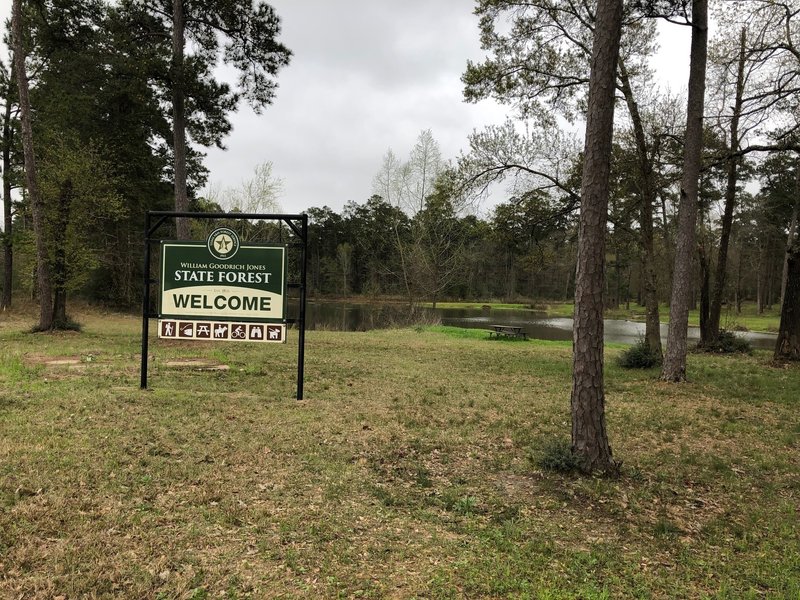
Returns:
<point x="341" y="316"/>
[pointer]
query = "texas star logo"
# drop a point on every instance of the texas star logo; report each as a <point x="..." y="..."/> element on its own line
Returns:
<point x="223" y="243"/>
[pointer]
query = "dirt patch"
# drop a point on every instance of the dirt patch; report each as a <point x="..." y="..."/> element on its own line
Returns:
<point x="199" y="364"/>
<point x="53" y="361"/>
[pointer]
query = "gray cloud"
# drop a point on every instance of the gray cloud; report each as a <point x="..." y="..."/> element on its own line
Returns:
<point x="365" y="76"/>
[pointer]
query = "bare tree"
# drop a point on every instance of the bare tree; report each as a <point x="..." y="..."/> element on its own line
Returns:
<point x="407" y="186"/>
<point x="344" y="255"/>
<point x="423" y="167"/>
<point x="711" y="330"/>
<point x="388" y="184"/>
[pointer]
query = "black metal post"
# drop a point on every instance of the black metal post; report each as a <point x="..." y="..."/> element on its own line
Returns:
<point x="301" y="342"/>
<point x="145" y="302"/>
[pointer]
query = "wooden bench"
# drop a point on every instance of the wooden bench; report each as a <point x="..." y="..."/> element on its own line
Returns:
<point x="509" y="331"/>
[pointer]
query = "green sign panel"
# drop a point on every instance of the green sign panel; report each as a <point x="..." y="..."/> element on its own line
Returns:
<point x="223" y="280"/>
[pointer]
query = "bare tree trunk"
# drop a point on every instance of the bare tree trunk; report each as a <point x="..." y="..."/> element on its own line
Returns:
<point x="787" y="346"/>
<point x="674" y="367"/>
<point x="179" y="118"/>
<point x="620" y="283"/>
<point x="59" y="243"/>
<point x="8" y="246"/>
<point x="770" y="296"/>
<point x="566" y="284"/>
<point x="705" y="291"/>
<point x="589" y="437"/>
<point x="646" y="200"/>
<point x="669" y="257"/>
<point x="739" y="279"/>
<point x="792" y="231"/>
<point x="37" y="205"/>
<point x="403" y="265"/>
<point x="720" y="276"/>
<point x="760" y="281"/>
<point x="628" y="290"/>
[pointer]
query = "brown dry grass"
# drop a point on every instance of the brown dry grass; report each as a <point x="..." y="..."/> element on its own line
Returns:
<point x="406" y="472"/>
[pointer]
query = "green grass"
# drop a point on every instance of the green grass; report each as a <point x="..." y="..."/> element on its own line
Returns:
<point x="408" y="471"/>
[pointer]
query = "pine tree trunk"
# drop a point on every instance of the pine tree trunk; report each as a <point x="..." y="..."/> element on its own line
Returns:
<point x="787" y="346"/>
<point x="674" y="367"/>
<point x="792" y="231"/>
<point x="179" y="118"/>
<point x="720" y="276"/>
<point x="589" y="437"/>
<point x="43" y="281"/>
<point x="8" y="246"/>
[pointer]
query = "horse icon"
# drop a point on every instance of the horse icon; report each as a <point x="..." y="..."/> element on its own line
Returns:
<point x="221" y="331"/>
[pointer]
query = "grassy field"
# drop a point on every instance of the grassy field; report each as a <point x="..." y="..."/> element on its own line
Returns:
<point x="747" y="320"/>
<point x="409" y="471"/>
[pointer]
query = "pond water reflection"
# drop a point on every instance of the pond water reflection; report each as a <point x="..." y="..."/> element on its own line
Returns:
<point x="341" y="316"/>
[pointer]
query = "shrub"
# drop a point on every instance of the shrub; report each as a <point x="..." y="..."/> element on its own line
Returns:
<point x="727" y="343"/>
<point x="639" y="356"/>
<point x="556" y="455"/>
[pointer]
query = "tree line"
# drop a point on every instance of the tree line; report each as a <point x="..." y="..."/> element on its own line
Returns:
<point x="107" y="107"/>
<point x="523" y="249"/>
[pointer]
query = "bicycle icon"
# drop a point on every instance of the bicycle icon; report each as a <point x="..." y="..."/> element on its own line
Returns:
<point x="238" y="332"/>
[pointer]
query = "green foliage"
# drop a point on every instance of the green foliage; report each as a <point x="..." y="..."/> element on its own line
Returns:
<point x="639" y="356"/>
<point x="81" y="200"/>
<point x="466" y="505"/>
<point x="556" y="455"/>
<point x="727" y="343"/>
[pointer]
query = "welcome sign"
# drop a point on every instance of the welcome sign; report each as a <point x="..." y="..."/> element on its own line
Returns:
<point x="223" y="280"/>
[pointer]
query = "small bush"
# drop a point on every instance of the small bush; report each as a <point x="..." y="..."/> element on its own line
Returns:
<point x="727" y="343"/>
<point x="556" y="455"/>
<point x="639" y="356"/>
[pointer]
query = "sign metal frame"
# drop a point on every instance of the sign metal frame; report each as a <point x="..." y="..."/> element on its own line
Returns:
<point x="297" y="223"/>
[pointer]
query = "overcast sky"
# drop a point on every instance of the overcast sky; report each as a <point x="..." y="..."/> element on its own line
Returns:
<point x="367" y="75"/>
